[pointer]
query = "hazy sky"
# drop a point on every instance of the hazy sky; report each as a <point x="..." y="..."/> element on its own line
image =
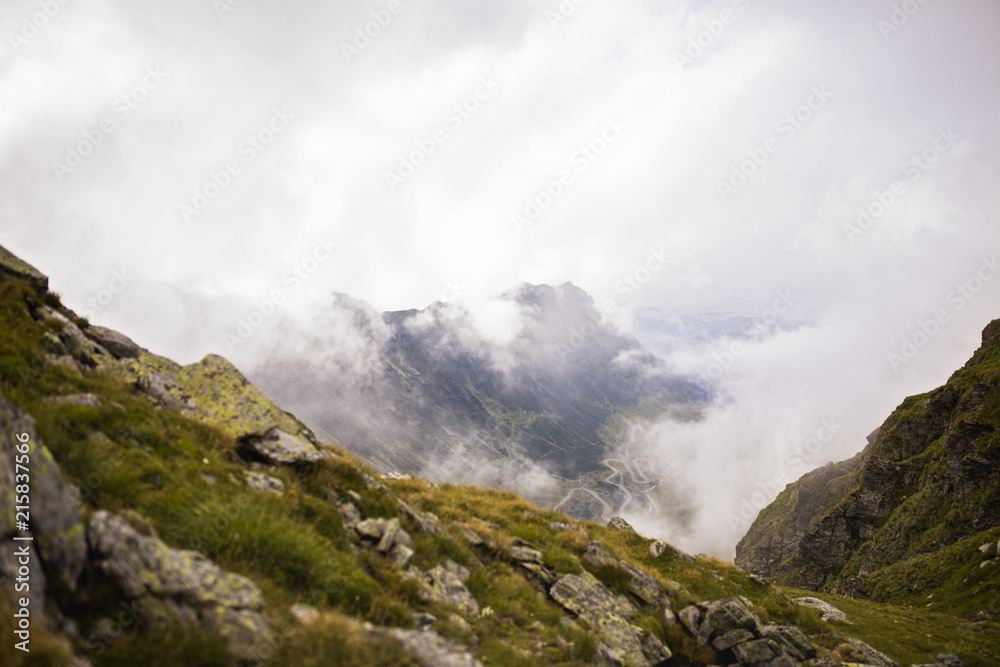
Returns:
<point x="172" y="163"/>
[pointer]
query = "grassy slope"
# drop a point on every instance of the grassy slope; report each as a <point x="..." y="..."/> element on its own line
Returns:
<point x="154" y="463"/>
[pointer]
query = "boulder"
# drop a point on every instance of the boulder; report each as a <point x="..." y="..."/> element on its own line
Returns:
<point x="526" y="555"/>
<point x="144" y="566"/>
<point x="608" y="615"/>
<point x="401" y="555"/>
<point x="756" y="651"/>
<point x="261" y="482"/>
<point x="642" y="585"/>
<point x="350" y="514"/>
<point x="855" y="650"/>
<point x="792" y="640"/>
<point x="179" y="585"/>
<point x="442" y="585"/>
<point x="276" y="447"/>
<point x="619" y="523"/>
<point x="598" y="555"/>
<point x="707" y="620"/>
<point x="56" y="524"/>
<point x="120" y="346"/>
<point x="389" y="534"/>
<point x="304" y="614"/>
<point x="732" y="638"/>
<point x="370" y="529"/>
<point x="429" y="648"/>
<point x="828" y="611"/>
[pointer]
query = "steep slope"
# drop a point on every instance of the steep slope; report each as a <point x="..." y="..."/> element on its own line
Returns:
<point x="452" y="399"/>
<point x="921" y="497"/>
<point x="179" y="517"/>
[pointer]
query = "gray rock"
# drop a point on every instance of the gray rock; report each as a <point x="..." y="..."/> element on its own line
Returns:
<point x="858" y="651"/>
<point x="404" y="538"/>
<point x="598" y="555"/>
<point x="371" y="529"/>
<point x="756" y="651"/>
<point x="792" y="640"/>
<point x="432" y="650"/>
<point x="828" y="611"/>
<point x="618" y="523"/>
<point x="75" y="341"/>
<point x="303" y="614"/>
<point x="389" y="534"/>
<point x="722" y="616"/>
<point x="642" y="585"/>
<point x="526" y="555"/>
<point x="401" y="555"/>
<point x="606" y="614"/>
<point x="260" y="482"/>
<point x="732" y="638"/>
<point x="658" y="547"/>
<point x="471" y="536"/>
<point x="247" y="633"/>
<point x="56" y="523"/>
<point x="442" y="585"/>
<point x="145" y="566"/>
<point x="459" y="571"/>
<point x="541" y="573"/>
<point x="350" y="513"/>
<point x="121" y="347"/>
<point x="279" y="448"/>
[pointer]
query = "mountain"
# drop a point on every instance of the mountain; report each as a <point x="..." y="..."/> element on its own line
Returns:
<point x="914" y="517"/>
<point x="175" y="515"/>
<point x="544" y="387"/>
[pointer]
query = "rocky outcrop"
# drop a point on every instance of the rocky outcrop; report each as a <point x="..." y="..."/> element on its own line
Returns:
<point x="610" y="617"/>
<point x="445" y="584"/>
<point x="177" y="585"/>
<point x="14" y="266"/>
<point x="275" y="447"/>
<point x="929" y="477"/>
<point x="733" y="630"/>
<point x="51" y="506"/>
<point x="828" y="611"/>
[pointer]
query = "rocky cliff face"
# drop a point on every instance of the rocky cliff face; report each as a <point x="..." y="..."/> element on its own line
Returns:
<point x="928" y="480"/>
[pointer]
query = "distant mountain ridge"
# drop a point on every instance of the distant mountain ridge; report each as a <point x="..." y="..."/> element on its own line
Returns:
<point x="440" y="398"/>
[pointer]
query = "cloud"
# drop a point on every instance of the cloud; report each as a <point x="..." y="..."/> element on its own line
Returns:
<point x="750" y="86"/>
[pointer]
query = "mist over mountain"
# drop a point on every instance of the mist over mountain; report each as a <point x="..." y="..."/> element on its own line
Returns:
<point x="527" y="392"/>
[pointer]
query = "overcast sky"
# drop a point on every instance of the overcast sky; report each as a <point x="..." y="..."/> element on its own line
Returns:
<point x="190" y="155"/>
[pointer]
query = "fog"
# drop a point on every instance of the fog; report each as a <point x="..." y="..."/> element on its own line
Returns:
<point x="204" y="176"/>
